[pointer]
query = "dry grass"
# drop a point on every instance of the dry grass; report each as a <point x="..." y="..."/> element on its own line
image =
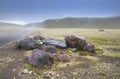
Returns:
<point x="8" y="28"/>
<point x="103" y="65"/>
<point x="77" y="31"/>
<point x="108" y="39"/>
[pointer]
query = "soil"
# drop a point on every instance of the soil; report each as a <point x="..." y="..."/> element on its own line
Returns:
<point x="80" y="67"/>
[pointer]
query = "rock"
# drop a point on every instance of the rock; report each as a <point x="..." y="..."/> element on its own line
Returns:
<point x="30" y="72"/>
<point x="79" y="75"/>
<point x="40" y="58"/>
<point x="49" y="48"/>
<point x="90" y="48"/>
<point x="25" y="71"/>
<point x="47" y="75"/>
<point x="75" y="42"/>
<point x="38" y="37"/>
<point x="57" y="76"/>
<point x="62" y="57"/>
<point x="56" y="43"/>
<point x="73" y="49"/>
<point x="34" y="73"/>
<point x="28" y="43"/>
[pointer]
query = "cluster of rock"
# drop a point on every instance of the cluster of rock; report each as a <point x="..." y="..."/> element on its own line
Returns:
<point x="38" y="41"/>
<point x="45" y="48"/>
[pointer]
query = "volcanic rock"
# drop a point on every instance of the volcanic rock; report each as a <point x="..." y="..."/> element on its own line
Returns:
<point x="40" y="58"/>
<point x="49" y="48"/>
<point x="56" y="43"/>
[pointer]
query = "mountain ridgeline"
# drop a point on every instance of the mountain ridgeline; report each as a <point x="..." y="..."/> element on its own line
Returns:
<point x="8" y="24"/>
<point x="70" y="22"/>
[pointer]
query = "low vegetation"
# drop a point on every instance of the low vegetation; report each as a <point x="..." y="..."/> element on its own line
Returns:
<point x="105" y="64"/>
<point x="8" y="28"/>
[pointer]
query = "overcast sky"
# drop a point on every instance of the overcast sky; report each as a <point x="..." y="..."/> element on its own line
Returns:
<point x="39" y="10"/>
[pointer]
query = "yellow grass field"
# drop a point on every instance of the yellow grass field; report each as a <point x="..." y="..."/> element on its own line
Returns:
<point x="77" y="31"/>
<point x="8" y="28"/>
<point x="109" y="38"/>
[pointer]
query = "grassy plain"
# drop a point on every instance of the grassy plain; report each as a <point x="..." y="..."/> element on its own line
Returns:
<point x="8" y="28"/>
<point x="105" y="64"/>
<point x="108" y="40"/>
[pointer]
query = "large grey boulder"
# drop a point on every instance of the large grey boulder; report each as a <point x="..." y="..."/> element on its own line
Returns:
<point x="75" y="42"/>
<point x="28" y="43"/>
<point x="56" y="43"/>
<point x="40" y="58"/>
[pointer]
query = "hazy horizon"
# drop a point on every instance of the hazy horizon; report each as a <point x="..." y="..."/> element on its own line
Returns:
<point x="23" y="23"/>
<point x="30" y="11"/>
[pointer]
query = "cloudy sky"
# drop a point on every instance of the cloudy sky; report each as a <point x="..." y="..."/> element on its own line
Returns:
<point x="23" y="11"/>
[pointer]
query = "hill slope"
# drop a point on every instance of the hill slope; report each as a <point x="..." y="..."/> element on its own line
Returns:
<point x="70" y="22"/>
<point x="8" y="24"/>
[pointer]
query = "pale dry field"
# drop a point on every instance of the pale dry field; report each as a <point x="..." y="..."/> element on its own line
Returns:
<point x="113" y="33"/>
<point x="105" y="64"/>
<point x="108" y="39"/>
<point x="8" y="28"/>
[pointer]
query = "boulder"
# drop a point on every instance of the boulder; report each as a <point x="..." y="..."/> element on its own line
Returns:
<point x="73" y="49"/>
<point x="28" y="43"/>
<point x="90" y="48"/>
<point x="75" y="42"/>
<point x="56" y="43"/>
<point x="62" y="57"/>
<point x="40" y="58"/>
<point x="49" y="48"/>
<point x="38" y="37"/>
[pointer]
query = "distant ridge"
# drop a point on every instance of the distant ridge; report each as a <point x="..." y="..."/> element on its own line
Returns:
<point x="83" y="22"/>
<point x="8" y="24"/>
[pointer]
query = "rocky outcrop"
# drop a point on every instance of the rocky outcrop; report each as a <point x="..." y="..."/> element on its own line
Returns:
<point x="46" y="51"/>
<point x="49" y="48"/>
<point x="54" y="42"/>
<point x="38" y="37"/>
<point x="75" y="42"/>
<point x="40" y="58"/>
<point x="79" y="43"/>
<point x="28" y="43"/>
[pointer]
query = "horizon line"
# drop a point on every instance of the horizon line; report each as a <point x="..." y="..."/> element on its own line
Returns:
<point x="24" y="23"/>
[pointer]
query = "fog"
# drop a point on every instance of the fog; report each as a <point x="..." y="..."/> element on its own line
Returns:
<point x="11" y="35"/>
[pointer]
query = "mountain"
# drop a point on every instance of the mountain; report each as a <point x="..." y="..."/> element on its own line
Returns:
<point x="37" y="24"/>
<point x="8" y="24"/>
<point x="85" y="22"/>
